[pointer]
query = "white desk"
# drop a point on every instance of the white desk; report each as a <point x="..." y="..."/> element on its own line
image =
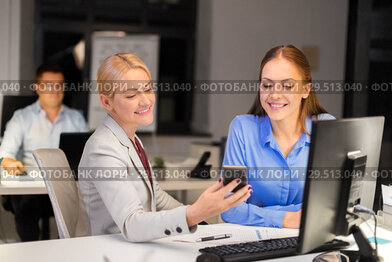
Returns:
<point x="114" y="248"/>
<point x="21" y="185"/>
<point x="111" y="248"/>
<point x="30" y="186"/>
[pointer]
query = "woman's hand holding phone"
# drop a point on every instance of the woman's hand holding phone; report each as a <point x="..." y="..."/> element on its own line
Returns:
<point x="230" y="173"/>
<point x="215" y="200"/>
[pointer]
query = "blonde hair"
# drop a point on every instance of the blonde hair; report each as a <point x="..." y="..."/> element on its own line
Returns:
<point x="113" y="68"/>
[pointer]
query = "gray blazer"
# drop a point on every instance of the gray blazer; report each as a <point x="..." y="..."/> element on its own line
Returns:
<point x="117" y="194"/>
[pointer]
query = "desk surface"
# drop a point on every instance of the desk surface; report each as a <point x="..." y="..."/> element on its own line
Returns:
<point x="30" y="186"/>
<point x="114" y="248"/>
<point x="111" y="248"/>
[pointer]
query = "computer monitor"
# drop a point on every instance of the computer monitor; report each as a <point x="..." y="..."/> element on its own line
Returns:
<point x="342" y="171"/>
<point x="11" y="104"/>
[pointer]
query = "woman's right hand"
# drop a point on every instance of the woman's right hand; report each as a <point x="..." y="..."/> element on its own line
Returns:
<point x="215" y="200"/>
<point x="12" y="166"/>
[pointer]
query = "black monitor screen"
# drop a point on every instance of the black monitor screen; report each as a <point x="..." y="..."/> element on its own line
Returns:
<point x="11" y="104"/>
<point x="326" y="191"/>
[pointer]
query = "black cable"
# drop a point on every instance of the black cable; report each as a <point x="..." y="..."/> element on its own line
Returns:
<point x="362" y="209"/>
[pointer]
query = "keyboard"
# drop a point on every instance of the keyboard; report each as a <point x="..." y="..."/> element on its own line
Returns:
<point x="259" y="250"/>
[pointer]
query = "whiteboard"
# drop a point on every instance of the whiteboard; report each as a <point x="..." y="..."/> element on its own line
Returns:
<point x="105" y="44"/>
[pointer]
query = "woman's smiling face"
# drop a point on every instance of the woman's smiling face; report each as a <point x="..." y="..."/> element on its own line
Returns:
<point x="281" y="89"/>
<point x="135" y="105"/>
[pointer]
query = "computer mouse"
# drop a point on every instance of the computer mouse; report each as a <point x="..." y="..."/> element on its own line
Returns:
<point x="208" y="257"/>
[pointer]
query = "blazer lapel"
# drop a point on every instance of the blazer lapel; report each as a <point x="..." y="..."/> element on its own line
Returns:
<point x="153" y="203"/>
<point x="125" y="141"/>
<point x="139" y="166"/>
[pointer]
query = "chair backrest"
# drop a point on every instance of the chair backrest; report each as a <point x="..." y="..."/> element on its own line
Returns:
<point x="70" y="214"/>
<point x="73" y="144"/>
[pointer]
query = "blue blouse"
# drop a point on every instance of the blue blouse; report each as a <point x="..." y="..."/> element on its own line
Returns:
<point x="277" y="182"/>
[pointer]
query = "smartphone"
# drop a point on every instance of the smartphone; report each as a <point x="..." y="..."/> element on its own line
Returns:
<point x="229" y="173"/>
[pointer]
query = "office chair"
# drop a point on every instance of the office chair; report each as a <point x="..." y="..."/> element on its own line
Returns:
<point x="72" y="145"/>
<point x="70" y="214"/>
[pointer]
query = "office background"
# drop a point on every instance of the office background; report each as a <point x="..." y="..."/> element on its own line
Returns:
<point x="347" y="40"/>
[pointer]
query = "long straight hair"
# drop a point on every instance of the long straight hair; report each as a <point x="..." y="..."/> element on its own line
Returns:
<point x="309" y="106"/>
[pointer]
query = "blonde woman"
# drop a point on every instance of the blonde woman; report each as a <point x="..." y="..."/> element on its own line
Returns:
<point x="135" y="205"/>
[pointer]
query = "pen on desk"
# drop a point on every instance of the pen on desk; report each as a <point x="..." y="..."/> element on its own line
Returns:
<point x="223" y="236"/>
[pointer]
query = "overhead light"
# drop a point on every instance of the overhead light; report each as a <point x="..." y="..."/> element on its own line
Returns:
<point x="79" y="54"/>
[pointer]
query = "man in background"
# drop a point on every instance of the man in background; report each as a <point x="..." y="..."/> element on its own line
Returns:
<point x="38" y="125"/>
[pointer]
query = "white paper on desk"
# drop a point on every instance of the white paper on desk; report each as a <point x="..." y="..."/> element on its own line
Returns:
<point x="387" y="194"/>
<point x="387" y="198"/>
<point x="239" y="234"/>
<point x="274" y="233"/>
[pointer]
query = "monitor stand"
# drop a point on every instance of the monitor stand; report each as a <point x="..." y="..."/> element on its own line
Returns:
<point x="365" y="252"/>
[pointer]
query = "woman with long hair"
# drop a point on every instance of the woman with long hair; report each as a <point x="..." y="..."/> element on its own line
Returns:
<point x="272" y="140"/>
